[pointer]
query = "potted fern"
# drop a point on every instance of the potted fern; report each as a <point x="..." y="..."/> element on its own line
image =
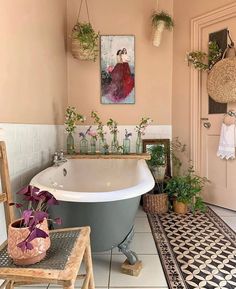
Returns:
<point x="157" y="163"/>
<point x="84" y="41"/>
<point x="160" y="21"/>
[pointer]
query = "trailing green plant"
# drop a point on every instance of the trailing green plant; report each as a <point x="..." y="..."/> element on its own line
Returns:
<point x="186" y="189"/>
<point x="162" y="16"/>
<point x="72" y="118"/>
<point x="158" y="155"/>
<point x="87" y="37"/>
<point x="205" y="61"/>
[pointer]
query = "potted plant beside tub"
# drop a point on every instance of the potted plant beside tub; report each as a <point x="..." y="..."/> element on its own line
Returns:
<point x="185" y="190"/>
<point x="160" y="21"/>
<point x="28" y="237"/>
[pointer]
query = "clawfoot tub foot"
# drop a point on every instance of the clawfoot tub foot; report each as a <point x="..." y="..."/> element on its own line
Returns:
<point x="124" y="247"/>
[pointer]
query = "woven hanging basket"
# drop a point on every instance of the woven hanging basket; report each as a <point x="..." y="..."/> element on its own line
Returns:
<point x="221" y="83"/>
<point x="80" y="50"/>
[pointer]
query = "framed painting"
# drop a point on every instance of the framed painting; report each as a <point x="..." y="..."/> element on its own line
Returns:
<point x="117" y="69"/>
<point x="147" y="143"/>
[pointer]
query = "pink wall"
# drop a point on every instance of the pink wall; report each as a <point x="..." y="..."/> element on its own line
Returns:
<point x="153" y="65"/>
<point x="33" y="87"/>
<point x="181" y="72"/>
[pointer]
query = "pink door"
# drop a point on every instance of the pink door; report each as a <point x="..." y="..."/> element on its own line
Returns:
<point x="221" y="173"/>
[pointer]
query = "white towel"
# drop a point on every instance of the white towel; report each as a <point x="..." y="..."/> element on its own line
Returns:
<point x="227" y="142"/>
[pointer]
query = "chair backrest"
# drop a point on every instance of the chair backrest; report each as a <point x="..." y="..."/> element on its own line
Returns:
<point x="5" y="195"/>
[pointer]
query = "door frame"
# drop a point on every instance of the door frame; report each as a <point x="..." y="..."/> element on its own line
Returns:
<point x="197" y="25"/>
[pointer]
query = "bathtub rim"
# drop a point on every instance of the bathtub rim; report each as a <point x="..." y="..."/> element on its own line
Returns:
<point x="145" y="185"/>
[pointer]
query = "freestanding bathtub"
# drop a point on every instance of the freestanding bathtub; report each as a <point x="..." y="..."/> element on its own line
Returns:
<point x="101" y="193"/>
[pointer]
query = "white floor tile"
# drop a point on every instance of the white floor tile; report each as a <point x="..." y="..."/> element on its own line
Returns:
<point x="101" y="268"/>
<point x="139" y="287"/>
<point x="141" y="213"/>
<point x="141" y="225"/>
<point x="143" y="243"/>
<point x="223" y="212"/>
<point x="151" y="275"/>
<point x="231" y="221"/>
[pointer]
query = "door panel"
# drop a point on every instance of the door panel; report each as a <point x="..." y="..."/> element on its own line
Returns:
<point x="222" y="173"/>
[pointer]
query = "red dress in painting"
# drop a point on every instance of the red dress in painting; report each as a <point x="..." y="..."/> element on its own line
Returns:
<point x="122" y="81"/>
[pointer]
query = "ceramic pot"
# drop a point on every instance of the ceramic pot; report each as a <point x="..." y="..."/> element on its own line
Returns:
<point x="180" y="208"/>
<point x="159" y="172"/>
<point x="158" y="33"/>
<point x="17" y="235"/>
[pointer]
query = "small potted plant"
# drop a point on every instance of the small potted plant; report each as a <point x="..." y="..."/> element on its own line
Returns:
<point x="185" y="190"/>
<point x="157" y="163"/>
<point x="84" y="42"/>
<point x="160" y="21"/>
<point x="28" y="237"/>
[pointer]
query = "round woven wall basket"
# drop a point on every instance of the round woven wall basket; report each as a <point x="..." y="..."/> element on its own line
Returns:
<point x="79" y="52"/>
<point x="221" y="83"/>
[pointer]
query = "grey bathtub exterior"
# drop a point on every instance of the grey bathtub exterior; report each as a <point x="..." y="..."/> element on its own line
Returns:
<point x="110" y="222"/>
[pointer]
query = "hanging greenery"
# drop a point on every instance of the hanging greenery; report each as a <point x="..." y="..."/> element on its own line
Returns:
<point x="203" y="61"/>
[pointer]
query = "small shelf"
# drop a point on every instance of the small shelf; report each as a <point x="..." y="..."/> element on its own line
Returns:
<point x="132" y="156"/>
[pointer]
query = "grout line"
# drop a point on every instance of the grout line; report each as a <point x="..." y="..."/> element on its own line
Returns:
<point x="109" y="276"/>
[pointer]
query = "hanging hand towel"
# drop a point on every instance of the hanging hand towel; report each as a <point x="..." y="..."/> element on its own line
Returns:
<point x="227" y="142"/>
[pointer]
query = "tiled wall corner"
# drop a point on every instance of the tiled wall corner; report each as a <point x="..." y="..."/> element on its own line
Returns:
<point x="29" y="150"/>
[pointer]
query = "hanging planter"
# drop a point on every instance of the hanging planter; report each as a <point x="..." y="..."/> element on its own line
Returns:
<point x="84" y="39"/>
<point x="160" y="21"/>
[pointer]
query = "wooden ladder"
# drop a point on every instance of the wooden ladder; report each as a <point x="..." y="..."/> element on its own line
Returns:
<point x="6" y="194"/>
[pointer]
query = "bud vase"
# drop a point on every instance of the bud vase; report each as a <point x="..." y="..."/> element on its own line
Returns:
<point x="114" y="144"/>
<point x="93" y="145"/>
<point x="103" y="147"/>
<point x="70" y="144"/>
<point x="126" y="146"/>
<point x="83" y="146"/>
<point x="139" y="144"/>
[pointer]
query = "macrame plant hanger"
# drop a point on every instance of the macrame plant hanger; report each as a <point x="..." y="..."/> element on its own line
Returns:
<point x="79" y="48"/>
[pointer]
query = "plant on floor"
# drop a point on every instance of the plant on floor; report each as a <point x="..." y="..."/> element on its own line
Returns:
<point x="205" y="61"/>
<point x="84" y="41"/>
<point x="160" y="21"/>
<point x="186" y="188"/>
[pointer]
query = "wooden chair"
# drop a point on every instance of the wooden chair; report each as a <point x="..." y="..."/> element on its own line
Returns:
<point x="69" y="248"/>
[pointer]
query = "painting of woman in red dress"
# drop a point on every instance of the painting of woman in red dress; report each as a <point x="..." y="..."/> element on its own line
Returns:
<point x="117" y="81"/>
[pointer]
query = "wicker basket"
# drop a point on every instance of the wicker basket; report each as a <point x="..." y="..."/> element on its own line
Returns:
<point x="155" y="203"/>
<point x="80" y="53"/>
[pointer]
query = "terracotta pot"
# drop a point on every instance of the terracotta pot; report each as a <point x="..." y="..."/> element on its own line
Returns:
<point x="180" y="208"/>
<point x="28" y="257"/>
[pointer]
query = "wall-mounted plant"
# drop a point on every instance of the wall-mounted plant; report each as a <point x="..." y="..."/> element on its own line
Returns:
<point x="160" y="21"/>
<point x="84" y="39"/>
<point x="203" y="61"/>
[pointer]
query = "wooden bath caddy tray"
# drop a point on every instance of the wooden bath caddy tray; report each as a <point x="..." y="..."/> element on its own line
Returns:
<point x="144" y="156"/>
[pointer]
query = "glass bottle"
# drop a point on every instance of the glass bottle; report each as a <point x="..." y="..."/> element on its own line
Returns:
<point x="139" y="144"/>
<point x="84" y="145"/>
<point x="114" y="144"/>
<point x="126" y="146"/>
<point x="93" y="145"/>
<point x="70" y="144"/>
<point x="103" y="147"/>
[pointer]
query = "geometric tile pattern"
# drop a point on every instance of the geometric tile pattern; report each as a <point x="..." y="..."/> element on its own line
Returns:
<point x="197" y="251"/>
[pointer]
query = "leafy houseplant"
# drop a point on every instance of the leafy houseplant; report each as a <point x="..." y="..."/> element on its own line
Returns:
<point x="205" y="61"/>
<point x="185" y="190"/>
<point x="84" y="41"/>
<point x="160" y="21"/>
<point x="157" y="162"/>
<point x="28" y="238"/>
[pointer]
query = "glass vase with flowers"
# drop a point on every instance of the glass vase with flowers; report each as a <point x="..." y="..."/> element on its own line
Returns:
<point x="103" y="146"/>
<point x="112" y="125"/>
<point x="140" y="129"/>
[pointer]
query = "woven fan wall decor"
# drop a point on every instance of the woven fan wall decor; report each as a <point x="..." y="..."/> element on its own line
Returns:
<point x="221" y="82"/>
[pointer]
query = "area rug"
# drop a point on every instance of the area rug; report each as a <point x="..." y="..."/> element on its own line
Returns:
<point x="196" y="251"/>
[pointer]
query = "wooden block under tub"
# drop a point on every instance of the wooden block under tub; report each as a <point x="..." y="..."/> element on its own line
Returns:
<point x="133" y="270"/>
